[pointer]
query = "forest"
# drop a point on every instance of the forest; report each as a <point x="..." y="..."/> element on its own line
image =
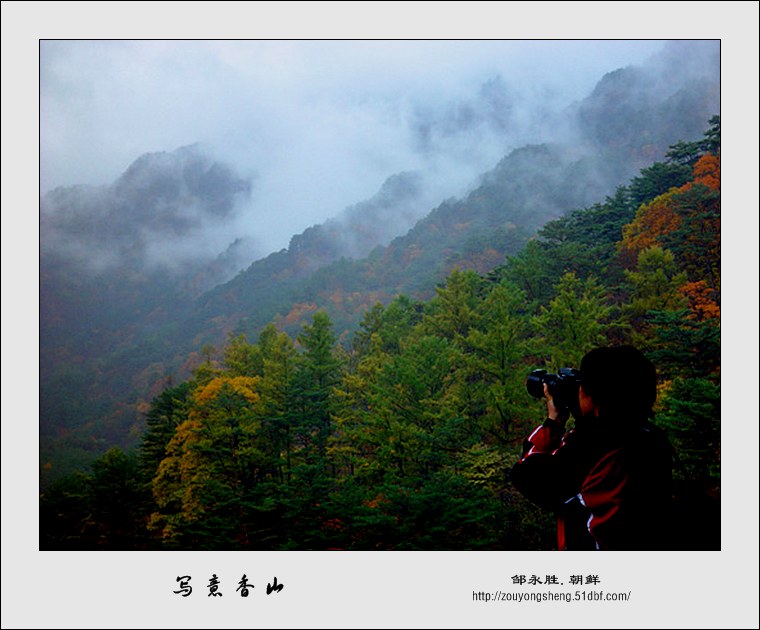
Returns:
<point x="400" y="435"/>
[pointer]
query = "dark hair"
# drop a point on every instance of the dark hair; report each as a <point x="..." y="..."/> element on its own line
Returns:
<point x="621" y="380"/>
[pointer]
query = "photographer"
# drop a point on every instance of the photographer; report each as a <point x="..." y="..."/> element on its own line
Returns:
<point x="608" y="480"/>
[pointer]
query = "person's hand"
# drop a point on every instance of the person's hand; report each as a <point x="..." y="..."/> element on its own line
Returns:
<point x="559" y="416"/>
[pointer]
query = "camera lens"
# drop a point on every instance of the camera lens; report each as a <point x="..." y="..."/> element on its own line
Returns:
<point x="535" y="383"/>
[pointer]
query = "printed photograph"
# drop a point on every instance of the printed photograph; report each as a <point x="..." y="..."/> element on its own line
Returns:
<point x="379" y="295"/>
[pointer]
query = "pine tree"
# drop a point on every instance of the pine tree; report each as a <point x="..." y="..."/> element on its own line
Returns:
<point x="574" y="322"/>
<point x="167" y="411"/>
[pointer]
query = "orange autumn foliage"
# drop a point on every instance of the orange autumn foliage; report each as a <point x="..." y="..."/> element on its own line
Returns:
<point x="660" y="217"/>
<point x="707" y="171"/>
<point x="299" y="312"/>
<point x="652" y="220"/>
<point x="701" y="300"/>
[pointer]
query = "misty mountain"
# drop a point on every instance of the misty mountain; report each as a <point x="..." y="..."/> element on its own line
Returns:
<point x="359" y="228"/>
<point x="112" y="340"/>
<point x="153" y="215"/>
<point x="496" y="113"/>
<point x="120" y="260"/>
<point x="122" y="266"/>
<point x="638" y="108"/>
<point x="630" y="120"/>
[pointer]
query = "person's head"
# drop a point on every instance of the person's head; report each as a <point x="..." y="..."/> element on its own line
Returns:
<point x="620" y="382"/>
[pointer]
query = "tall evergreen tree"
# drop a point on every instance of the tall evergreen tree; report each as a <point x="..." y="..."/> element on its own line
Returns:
<point x="317" y="375"/>
<point x="493" y="371"/>
<point x="167" y="411"/>
<point x="574" y="322"/>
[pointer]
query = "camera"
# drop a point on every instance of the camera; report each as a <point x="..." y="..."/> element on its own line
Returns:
<point x="563" y="387"/>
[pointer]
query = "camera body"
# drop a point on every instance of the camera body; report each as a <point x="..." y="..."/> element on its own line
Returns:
<point x="562" y="386"/>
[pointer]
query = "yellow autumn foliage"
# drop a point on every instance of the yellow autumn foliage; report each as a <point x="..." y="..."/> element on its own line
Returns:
<point x="243" y="385"/>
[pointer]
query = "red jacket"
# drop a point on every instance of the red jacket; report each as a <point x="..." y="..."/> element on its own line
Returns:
<point x="610" y="488"/>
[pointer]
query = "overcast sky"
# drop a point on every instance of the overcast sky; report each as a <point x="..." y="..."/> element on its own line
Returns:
<point x="319" y="125"/>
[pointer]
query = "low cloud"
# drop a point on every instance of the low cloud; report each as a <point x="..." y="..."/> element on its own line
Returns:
<point x="322" y="124"/>
<point x="166" y="209"/>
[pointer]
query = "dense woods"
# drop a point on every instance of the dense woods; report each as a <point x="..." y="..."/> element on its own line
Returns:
<point x="399" y="435"/>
